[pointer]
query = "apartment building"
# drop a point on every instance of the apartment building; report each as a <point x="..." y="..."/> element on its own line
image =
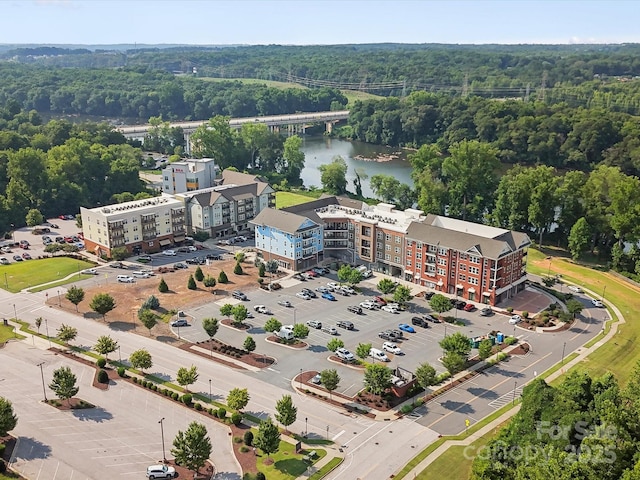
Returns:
<point x="139" y="226"/>
<point x="294" y="241"/>
<point x="471" y="261"/>
<point x="189" y="175"/>
<point x="227" y="209"/>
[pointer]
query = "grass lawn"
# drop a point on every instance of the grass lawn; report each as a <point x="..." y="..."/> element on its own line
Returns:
<point x="21" y="275"/>
<point x="6" y="333"/>
<point x="287" y="199"/>
<point x="354" y="95"/>
<point x="287" y="465"/>
<point x="268" y="83"/>
<point x="329" y="467"/>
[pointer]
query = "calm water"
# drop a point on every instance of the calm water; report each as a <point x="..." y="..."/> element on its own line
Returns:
<point x="320" y="150"/>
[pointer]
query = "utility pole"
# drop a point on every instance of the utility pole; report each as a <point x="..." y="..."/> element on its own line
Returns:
<point x="44" y="390"/>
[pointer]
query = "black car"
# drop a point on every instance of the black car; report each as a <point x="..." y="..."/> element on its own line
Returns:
<point x="460" y="304"/>
<point x="298" y="276"/>
<point x="429" y="295"/>
<point x="420" y="322"/>
<point x="345" y="324"/>
<point x="355" y="309"/>
<point x="179" y="266"/>
<point x="431" y="318"/>
<point x="192" y="261"/>
<point x="212" y="256"/>
<point x="310" y="292"/>
<point x="386" y="336"/>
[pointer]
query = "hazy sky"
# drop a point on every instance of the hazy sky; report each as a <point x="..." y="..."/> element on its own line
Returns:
<point x="304" y="22"/>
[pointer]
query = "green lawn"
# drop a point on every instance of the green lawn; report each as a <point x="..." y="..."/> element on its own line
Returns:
<point x="354" y="95"/>
<point x="268" y="83"/>
<point x="287" y="465"/>
<point x="328" y="468"/>
<point x="7" y="332"/>
<point x="287" y="199"/>
<point x="21" y="275"/>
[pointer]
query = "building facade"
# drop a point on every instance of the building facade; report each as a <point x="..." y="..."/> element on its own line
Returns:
<point x="189" y="175"/>
<point x="139" y="226"/>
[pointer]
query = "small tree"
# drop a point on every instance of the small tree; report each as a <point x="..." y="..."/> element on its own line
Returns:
<point x="210" y="326"/>
<point x="261" y="270"/>
<point x="402" y="294"/>
<point x="330" y="380"/>
<point x="141" y="359"/>
<point x="440" y="304"/>
<point x="102" y="303"/>
<point x="226" y="310"/>
<point x="75" y="295"/>
<point x="240" y="256"/>
<point x="484" y="349"/>
<point x="67" y="333"/>
<point x="386" y="286"/>
<point x="162" y="286"/>
<point x="454" y="362"/>
<point x="272" y="325"/>
<point x="249" y="344"/>
<point x="238" y="269"/>
<point x="34" y="217"/>
<point x="38" y="322"/>
<point x="192" y="448"/>
<point x="209" y="281"/>
<point x="187" y="376"/>
<point x="426" y="375"/>
<point x="8" y="419"/>
<point x="63" y="383"/>
<point x="268" y="437"/>
<point x="119" y="253"/>
<point x="222" y="277"/>
<point x="286" y="411"/>
<point x="458" y="343"/>
<point x="574" y="307"/>
<point x="238" y="398"/>
<point x="362" y="350"/>
<point x="579" y="238"/>
<point x="151" y="303"/>
<point x="105" y="345"/>
<point x="377" y="378"/>
<point x="199" y="274"/>
<point x="334" y="344"/>
<point x="191" y="283"/>
<point x="240" y="314"/>
<point x="300" y="330"/>
<point x="147" y="318"/>
<point x="272" y="266"/>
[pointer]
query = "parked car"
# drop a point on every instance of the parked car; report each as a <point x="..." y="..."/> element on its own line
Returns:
<point x="17" y="258"/>
<point x="319" y="270"/>
<point x="346" y="324"/>
<point x="181" y="322"/>
<point x="597" y="303"/>
<point x="459" y="304"/>
<point x="574" y="288"/>
<point x="26" y="256"/>
<point x="145" y="258"/>
<point x="303" y="296"/>
<point x="406" y="328"/>
<point x="390" y="309"/>
<point x="309" y="292"/>
<point x="348" y="290"/>
<point x="307" y="276"/>
<point x="354" y="309"/>
<point x="469" y="307"/>
<point x="285" y="303"/>
<point x="4" y="261"/>
<point x="311" y="273"/>
<point x="386" y="336"/>
<point x="328" y="296"/>
<point x="391" y="348"/>
<point x="432" y="319"/>
<point x="239" y="295"/>
<point x="314" y="324"/>
<point x="169" y="253"/>
<point x="380" y="301"/>
<point x="345" y="355"/>
<point x="125" y="279"/>
<point x="333" y="286"/>
<point x="429" y="295"/>
<point x="161" y="471"/>
<point x="420" y="322"/>
<point x="262" y="309"/>
<point x="51" y="225"/>
<point x="192" y="261"/>
<point x="330" y="330"/>
<point x="322" y="289"/>
<point x="5" y="249"/>
<point x="59" y="239"/>
<point x="299" y="276"/>
<point x="180" y="266"/>
<point x="369" y="305"/>
<point x="486" y="312"/>
<point x="316" y="379"/>
<point x="90" y="271"/>
<point x="515" y="319"/>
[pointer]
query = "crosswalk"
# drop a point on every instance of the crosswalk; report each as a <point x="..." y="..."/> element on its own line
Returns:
<point x="507" y="398"/>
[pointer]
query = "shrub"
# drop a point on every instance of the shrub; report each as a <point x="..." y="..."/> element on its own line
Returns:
<point x="154" y="387"/>
<point x="200" y="236"/>
<point x="122" y="372"/>
<point x="103" y="376"/>
<point x="244" y="449"/>
<point x="212" y="411"/>
<point x="222" y="413"/>
<point x="236" y="418"/>
<point x="510" y="340"/>
<point x="237" y="440"/>
<point x="187" y="399"/>
<point x="101" y="362"/>
<point x="248" y="437"/>
<point x="525" y="314"/>
<point x="238" y="269"/>
<point x="222" y="277"/>
<point x="163" y="287"/>
<point x="175" y="395"/>
<point x="135" y="379"/>
<point x="198" y="407"/>
<point x="151" y="303"/>
<point x="191" y="283"/>
<point x="501" y="356"/>
<point x="510" y="309"/>
<point x="260" y="476"/>
<point x="406" y="409"/>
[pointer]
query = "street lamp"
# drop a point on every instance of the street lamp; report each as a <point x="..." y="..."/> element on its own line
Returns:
<point x="119" y="355"/>
<point x="46" y="326"/>
<point x="210" y="397"/>
<point x="44" y="390"/>
<point x="306" y="429"/>
<point x="294" y="315"/>
<point x="13" y="234"/>
<point x="327" y="432"/>
<point x="15" y="313"/>
<point x="563" y="347"/>
<point x="59" y="304"/>
<point x="6" y="282"/>
<point x="515" y="385"/>
<point x="164" y="457"/>
<point x="300" y="379"/>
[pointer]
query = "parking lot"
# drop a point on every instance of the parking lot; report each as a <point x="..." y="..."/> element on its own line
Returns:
<point x="421" y="346"/>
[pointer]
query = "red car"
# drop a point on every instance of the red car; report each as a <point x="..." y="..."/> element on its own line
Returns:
<point x="26" y="256"/>
<point x="380" y="300"/>
<point x="312" y="273"/>
<point x="469" y="307"/>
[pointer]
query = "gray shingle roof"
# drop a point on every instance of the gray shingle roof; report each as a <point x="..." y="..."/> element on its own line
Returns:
<point x="284" y="221"/>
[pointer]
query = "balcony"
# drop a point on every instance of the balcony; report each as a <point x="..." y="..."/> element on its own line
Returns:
<point x="336" y="235"/>
<point x="365" y="252"/>
<point x="336" y="244"/>
<point x="366" y="244"/>
<point x="366" y="231"/>
<point x="336" y="226"/>
<point x="149" y="236"/>
<point x="308" y="252"/>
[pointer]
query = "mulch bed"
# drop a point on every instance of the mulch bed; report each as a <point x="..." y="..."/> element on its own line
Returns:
<point x="247" y="460"/>
<point x="339" y="360"/>
<point x="297" y="344"/>
<point x="305" y="379"/>
<point x="229" y="323"/>
<point x="71" y="404"/>
<point x="521" y="349"/>
<point x="113" y="373"/>
<point x="252" y="359"/>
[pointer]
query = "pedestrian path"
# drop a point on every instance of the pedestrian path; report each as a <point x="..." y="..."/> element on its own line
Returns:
<point x="509" y="397"/>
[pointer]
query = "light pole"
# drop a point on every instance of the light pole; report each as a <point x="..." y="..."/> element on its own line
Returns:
<point x="294" y="315"/>
<point x="119" y="355"/>
<point x="306" y="429"/>
<point x="44" y="390"/>
<point x="300" y="379"/>
<point x="15" y="313"/>
<point x="6" y="282"/>
<point x="210" y="396"/>
<point x="46" y="326"/>
<point x="603" y="290"/>
<point x="515" y="385"/>
<point x="164" y="457"/>
<point x="327" y="432"/>
<point x="13" y="234"/>
<point x="59" y="304"/>
<point x="563" y="347"/>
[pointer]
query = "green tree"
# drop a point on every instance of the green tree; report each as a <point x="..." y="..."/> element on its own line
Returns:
<point x="334" y="344"/>
<point x="267" y="438"/>
<point x="262" y="269"/>
<point x="484" y="349"/>
<point x="187" y="376"/>
<point x="238" y="398"/>
<point x="377" y="378"/>
<point x="249" y="344"/>
<point x="238" y="269"/>
<point x="386" y="286"/>
<point x="440" y="304"/>
<point x="102" y="303"/>
<point x="579" y="238"/>
<point x="457" y="342"/>
<point x="402" y="294"/>
<point x="8" y="419"/>
<point x="209" y="281"/>
<point x="426" y="375"/>
<point x="286" y="411"/>
<point x="293" y="157"/>
<point x="147" y="318"/>
<point x="192" y="448"/>
<point x="574" y="306"/>
<point x="226" y="310"/>
<point x="362" y="350"/>
<point x="34" y="217"/>
<point x="210" y="326"/>
<point x="271" y="266"/>
<point x="239" y="256"/>
<point x="330" y="379"/>
<point x="198" y="274"/>
<point x="119" y="253"/>
<point x="541" y="212"/>
<point x="67" y="333"/>
<point x="141" y="359"/>
<point x="222" y="277"/>
<point x="38" y="322"/>
<point x="162" y="286"/>
<point x="63" y="383"/>
<point x="105" y="345"/>
<point x="191" y="283"/>
<point x="333" y="176"/>
<point x="454" y="362"/>
<point x="272" y="325"/>
<point x="151" y="303"/>
<point x="75" y="295"/>
<point x="300" y="330"/>
<point x="240" y="314"/>
<point x="348" y="274"/>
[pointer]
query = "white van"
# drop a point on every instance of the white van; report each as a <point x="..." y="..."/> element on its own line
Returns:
<point x="285" y="333"/>
<point x="141" y="274"/>
<point x="378" y="355"/>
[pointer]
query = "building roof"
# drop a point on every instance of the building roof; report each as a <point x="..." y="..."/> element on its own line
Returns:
<point x="490" y="242"/>
<point x="138" y="205"/>
<point x="231" y="192"/>
<point x="287" y="222"/>
<point x="239" y="178"/>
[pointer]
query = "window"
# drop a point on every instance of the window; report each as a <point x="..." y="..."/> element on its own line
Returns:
<point x="431" y="268"/>
<point x="387" y="257"/>
<point x="462" y="277"/>
<point x="473" y="259"/>
<point x="442" y="272"/>
<point x="398" y="239"/>
<point x="418" y="255"/>
<point x="442" y="251"/>
<point x="473" y="281"/>
<point x="419" y="245"/>
<point x="387" y="248"/>
<point x="387" y="237"/>
<point x="397" y="250"/>
<point x="379" y="245"/>
<point x="433" y="248"/>
<point x="408" y="263"/>
<point x="463" y="267"/>
<point x="442" y="261"/>
<point x="418" y="267"/>
<point x="379" y="236"/>
<point x="474" y="270"/>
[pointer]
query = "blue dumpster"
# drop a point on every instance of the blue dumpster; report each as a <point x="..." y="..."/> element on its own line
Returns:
<point x="500" y="337"/>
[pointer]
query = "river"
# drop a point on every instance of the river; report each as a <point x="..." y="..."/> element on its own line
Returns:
<point x="319" y="150"/>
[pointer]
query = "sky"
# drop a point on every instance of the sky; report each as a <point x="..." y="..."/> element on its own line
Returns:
<point x="317" y="22"/>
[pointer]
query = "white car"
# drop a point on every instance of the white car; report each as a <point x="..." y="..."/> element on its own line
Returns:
<point x="4" y="261"/>
<point x="333" y="285"/>
<point x="261" y="309"/>
<point x="161" y="471"/>
<point x="369" y="305"/>
<point x="573" y="288"/>
<point x="597" y="303"/>
<point x="126" y="279"/>
<point x="390" y="309"/>
<point x="322" y="290"/>
<point x="348" y="290"/>
<point x="169" y="253"/>
<point x="192" y="248"/>
<point x="344" y="354"/>
<point x="90" y="271"/>
<point x="314" y="324"/>
<point x="330" y="330"/>
<point x="515" y="319"/>
<point x="391" y="348"/>
<point x="303" y="296"/>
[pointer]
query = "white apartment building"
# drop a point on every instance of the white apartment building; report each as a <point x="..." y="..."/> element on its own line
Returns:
<point x="139" y="226"/>
<point x="189" y="175"/>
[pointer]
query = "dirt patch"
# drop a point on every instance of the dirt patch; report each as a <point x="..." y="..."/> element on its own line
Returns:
<point x="521" y="349"/>
<point x="352" y="364"/>
<point x="229" y="323"/>
<point x="288" y="343"/>
<point x="70" y="404"/>
<point x="251" y="359"/>
<point x="205" y="473"/>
